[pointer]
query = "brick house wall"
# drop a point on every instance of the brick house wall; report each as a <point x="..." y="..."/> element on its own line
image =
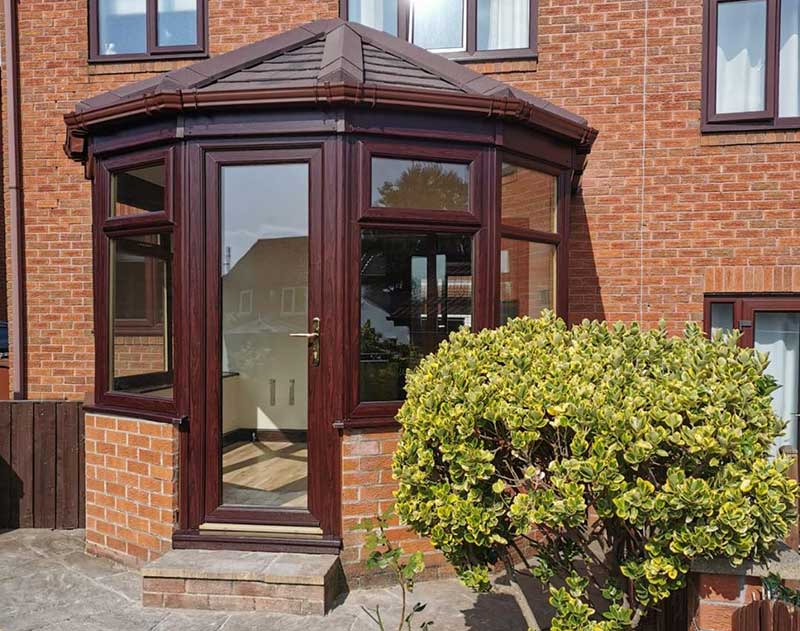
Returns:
<point x="665" y="214"/>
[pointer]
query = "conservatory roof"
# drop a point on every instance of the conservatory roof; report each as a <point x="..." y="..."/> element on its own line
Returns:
<point x="328" y="61"/>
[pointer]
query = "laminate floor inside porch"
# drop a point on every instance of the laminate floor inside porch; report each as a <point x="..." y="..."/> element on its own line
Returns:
<point x="265" y="473"/>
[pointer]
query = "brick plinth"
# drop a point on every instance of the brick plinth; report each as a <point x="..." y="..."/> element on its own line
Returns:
<point x="714" y="598"/>
<point x="131" y="488"/>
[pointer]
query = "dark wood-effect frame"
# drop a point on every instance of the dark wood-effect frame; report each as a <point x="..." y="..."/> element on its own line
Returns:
<point x="154" y="51"/>
<point x="471" y="17"/>
<point x="482" y="222"/>
<point x="769" y="117"/>
<point x="745" y="306"/>
<point x="318" y="477"/>
<point x="343" y="134"/>
<point x="108" y="227"/>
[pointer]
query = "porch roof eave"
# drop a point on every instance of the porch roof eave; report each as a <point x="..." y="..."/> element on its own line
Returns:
<point x="80" y="124"/>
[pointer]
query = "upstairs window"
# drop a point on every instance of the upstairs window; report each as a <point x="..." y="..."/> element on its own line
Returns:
<point x="124" y="30"/>
<point x="752" y="65"/>
<point x="459" y="29"/>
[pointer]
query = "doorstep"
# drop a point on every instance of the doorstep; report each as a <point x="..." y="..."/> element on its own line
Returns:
<point x="232" y="580"/>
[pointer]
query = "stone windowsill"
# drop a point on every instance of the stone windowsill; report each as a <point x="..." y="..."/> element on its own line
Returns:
<point x="785" y="563"/>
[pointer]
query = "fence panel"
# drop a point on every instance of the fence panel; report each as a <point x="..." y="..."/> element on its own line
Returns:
<point x="766" y="615"/>
<point x="42" y="474"/>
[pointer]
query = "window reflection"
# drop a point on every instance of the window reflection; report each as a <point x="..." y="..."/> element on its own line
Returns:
<point x="721" y="317"/>
<point x="416" y="289"/>
<point x="264" y="371"/>
<point x="138" y="191"/>
<point x="529" y="198"/>
<point x="419" y="184"/>
<point x="141" y="315"/>
<point x="527" y="279"/>
<point x="503" y="24"/>
<point x="377" y="14"/>
<point x="778" y="335"/>
<point x="122" y="26"/>
<point x="177" y="22"/>
<point x="741" y="56"/>
<point x="438" y="24"/>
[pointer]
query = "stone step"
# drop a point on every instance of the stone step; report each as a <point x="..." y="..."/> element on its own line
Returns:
<point x="230" y="580"/>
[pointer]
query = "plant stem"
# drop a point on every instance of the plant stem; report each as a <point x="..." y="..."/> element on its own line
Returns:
<point x="403" y="593"/>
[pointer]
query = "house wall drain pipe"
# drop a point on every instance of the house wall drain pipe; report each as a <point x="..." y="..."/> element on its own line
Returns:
<point x="18" y="316"/>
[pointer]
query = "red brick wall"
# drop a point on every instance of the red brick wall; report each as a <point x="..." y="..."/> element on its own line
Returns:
<point x="662" y="204"/>
<point x="367" y="490"/>
<point x="714" y="598"/>
<point x="53" y="40"/>
<point x="665" y="213"/>
<point x="131" y="488"/>
<point x="138" y="355"/>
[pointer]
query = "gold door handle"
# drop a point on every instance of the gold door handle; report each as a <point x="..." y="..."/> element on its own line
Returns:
<point x="313" y="341"/>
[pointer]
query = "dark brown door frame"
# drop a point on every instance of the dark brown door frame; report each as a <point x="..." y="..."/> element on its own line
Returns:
<point x="201" y="473"/>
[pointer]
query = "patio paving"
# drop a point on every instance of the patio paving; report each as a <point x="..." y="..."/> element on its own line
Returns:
<point x="48" y="582"/>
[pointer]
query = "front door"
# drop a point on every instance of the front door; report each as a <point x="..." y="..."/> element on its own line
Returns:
<point x="268" y="468"/>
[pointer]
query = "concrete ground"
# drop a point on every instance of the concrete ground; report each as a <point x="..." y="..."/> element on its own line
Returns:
<point x="48" y="583"/>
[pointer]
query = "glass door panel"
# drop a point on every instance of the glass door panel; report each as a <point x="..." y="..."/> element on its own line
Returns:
<point x="264" y="275"/>
<point x="778" y="334"/>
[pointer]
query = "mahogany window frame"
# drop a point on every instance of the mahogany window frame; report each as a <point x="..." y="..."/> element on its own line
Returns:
<point x="483" y="223"/>
<point x="559" y="239"/>
<point x="766" y="119"/>
<point x="109" y="228"/>
<point x="470" y="52"/>
<point x="154" y="51"/>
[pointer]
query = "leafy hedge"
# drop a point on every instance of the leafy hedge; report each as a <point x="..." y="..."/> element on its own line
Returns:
<point x="651" y="449"/>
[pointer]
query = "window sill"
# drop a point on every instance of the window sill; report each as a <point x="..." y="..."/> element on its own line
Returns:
<point x="492" y="56"/>
<point x="792" y="124"/>
<point x="785" y="563"/>
<point x="104" y="60"/>
<point x="102" y="409"/>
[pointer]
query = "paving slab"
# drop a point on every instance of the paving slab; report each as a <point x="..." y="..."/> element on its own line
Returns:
<point x="47" y="583"/>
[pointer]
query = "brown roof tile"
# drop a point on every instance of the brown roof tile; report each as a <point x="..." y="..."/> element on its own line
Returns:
<point x="325" y="52"/>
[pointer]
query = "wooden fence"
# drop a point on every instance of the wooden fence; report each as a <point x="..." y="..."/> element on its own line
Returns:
<point x="766" y="615"/>
<point x="42" y="480"/>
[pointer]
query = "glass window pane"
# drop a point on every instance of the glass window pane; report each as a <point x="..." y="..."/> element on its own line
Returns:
<point x="741" y="51"/>
<point x="416" y="288"/>
<point x="377" y="14"/>
<point x="721" y="317"/>
<point x="122" y="26"/>
<point x="527" y="279"/>
<point x="419" y="184"/>
<point x="529" y="198"/>
<point x="789" y="86"/>
<point x="778" y="335"/>
<point x="138" y="191"/>
<point x="177" y="22"/>
<point x="438" y="24"/>
<point x="264" y="371"/>
<point x="141" y="315"/>
<point x="504" y="24"/>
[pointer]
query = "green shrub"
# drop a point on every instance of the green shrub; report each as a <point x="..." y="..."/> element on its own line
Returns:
<point x="601" y="453"/>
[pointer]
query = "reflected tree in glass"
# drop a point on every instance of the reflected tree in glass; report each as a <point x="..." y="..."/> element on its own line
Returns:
<point x="422" y="185"/>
